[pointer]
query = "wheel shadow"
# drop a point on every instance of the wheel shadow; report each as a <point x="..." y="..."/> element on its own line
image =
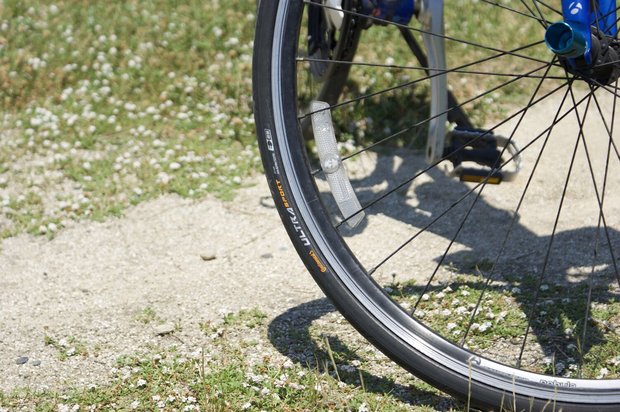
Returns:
<point x="290" y="333"/>
<point x="541" y="267"/>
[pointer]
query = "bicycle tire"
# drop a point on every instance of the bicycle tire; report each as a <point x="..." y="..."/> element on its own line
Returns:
<point x="361" y="300"/>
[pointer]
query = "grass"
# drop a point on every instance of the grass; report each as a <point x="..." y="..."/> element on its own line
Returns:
<point x="66" y="347"/>
<point x="106" y="105"/>
<point x="110" y="104"/>
<point x="492" y="321"/>
<point x="228" y="375"/>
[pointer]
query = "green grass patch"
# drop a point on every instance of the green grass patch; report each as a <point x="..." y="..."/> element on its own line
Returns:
<point x="226" y="375"/>
<point x="115" y="103"/>
<point x="493" y="320"/>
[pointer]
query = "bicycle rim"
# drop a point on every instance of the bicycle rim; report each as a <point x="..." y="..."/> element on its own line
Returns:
<point x="474" y="287"/>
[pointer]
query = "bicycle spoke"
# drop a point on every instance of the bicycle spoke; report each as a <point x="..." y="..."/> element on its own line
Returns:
<point x="546" y="24"/>
<point x="600" y="205"/>
<point x="411" y="83"/>
<point x="597" y="233"/>
<point x="469" y="192"/>
<point x="607" y="127"/>
<point x="479" y="193"/>
<point x="422" y="122"/>
<point x="404" y="26"/>
<point x="551" y="240"/>
<point x="431" y="166"/>
<point x="532" y="13"/>
<point x="492" y="272"/>
<point x="423" y="68"/>
<point x="613" y="91"/>
<point x="549" y="7"/>
<point x="529" y="16"/>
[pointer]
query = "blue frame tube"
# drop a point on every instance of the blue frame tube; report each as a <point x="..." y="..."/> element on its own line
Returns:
<point x="607" y="16"/>
<point x="572" y="38"/>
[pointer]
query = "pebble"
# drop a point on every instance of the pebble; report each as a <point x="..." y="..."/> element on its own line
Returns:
<point x="207" y="256"/>
<point x="164" y="329"/>
<point x="36" y="362"/>
<point x="21" y="360"/>
<point x="266" y="255"/>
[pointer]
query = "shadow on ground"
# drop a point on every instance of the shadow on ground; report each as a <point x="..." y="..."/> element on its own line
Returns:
<point x="290" y="333"/>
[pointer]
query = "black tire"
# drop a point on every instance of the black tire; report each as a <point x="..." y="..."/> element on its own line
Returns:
<point x="489" y="385"/>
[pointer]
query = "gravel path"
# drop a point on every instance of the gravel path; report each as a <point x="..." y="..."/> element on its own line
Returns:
<point x="179" y="262"/>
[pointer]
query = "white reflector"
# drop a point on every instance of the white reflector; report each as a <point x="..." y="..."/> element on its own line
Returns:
<point x="336" y="174"/>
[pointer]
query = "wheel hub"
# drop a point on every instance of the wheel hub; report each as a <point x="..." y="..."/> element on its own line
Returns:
<point x="597" y="63"/>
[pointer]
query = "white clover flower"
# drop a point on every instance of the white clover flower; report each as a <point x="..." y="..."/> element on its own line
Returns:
<point x="485" y="326"/>
<point x="163" y="178"/>
<point x="232" y="41"/>
<point x="602" y="373"/>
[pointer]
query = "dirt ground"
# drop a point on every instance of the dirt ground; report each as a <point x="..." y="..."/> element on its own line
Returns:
<point x="178" y="261"/>
<point x="182" y="263"/>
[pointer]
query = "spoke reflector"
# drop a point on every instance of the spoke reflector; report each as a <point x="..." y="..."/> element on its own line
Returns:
<point x="331" y="162"/>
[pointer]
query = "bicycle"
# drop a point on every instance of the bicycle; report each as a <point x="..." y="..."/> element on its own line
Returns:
<point x="498" y="280"/>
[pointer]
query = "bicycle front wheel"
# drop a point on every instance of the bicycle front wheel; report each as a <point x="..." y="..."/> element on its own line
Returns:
<point x="505" y="294"/>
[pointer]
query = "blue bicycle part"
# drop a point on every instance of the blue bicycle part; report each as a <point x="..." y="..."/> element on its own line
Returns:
<point x="572" y="38"/>
<point x="397" y="11"/>
<point x="585" y="40"/>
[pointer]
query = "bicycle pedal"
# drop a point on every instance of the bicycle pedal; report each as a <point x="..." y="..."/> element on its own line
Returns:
<point x="498" y="157"/>
<point x="468" y="174"/>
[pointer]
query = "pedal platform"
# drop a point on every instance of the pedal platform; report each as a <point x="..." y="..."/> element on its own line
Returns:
<point x="480" y="156"/>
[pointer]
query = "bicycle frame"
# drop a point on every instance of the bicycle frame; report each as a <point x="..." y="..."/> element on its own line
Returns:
<point x="573" y="38"/>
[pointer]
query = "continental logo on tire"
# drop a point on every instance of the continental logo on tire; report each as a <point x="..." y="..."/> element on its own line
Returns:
<point x="318" y="262"/>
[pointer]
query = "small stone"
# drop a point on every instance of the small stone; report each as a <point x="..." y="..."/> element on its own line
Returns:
<point x="207" y="256"/>
<point x="21" y="360"/>
<point x="36" y="362"/>
<point x="266" y="256"/>
<point x="164" y="329"/>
